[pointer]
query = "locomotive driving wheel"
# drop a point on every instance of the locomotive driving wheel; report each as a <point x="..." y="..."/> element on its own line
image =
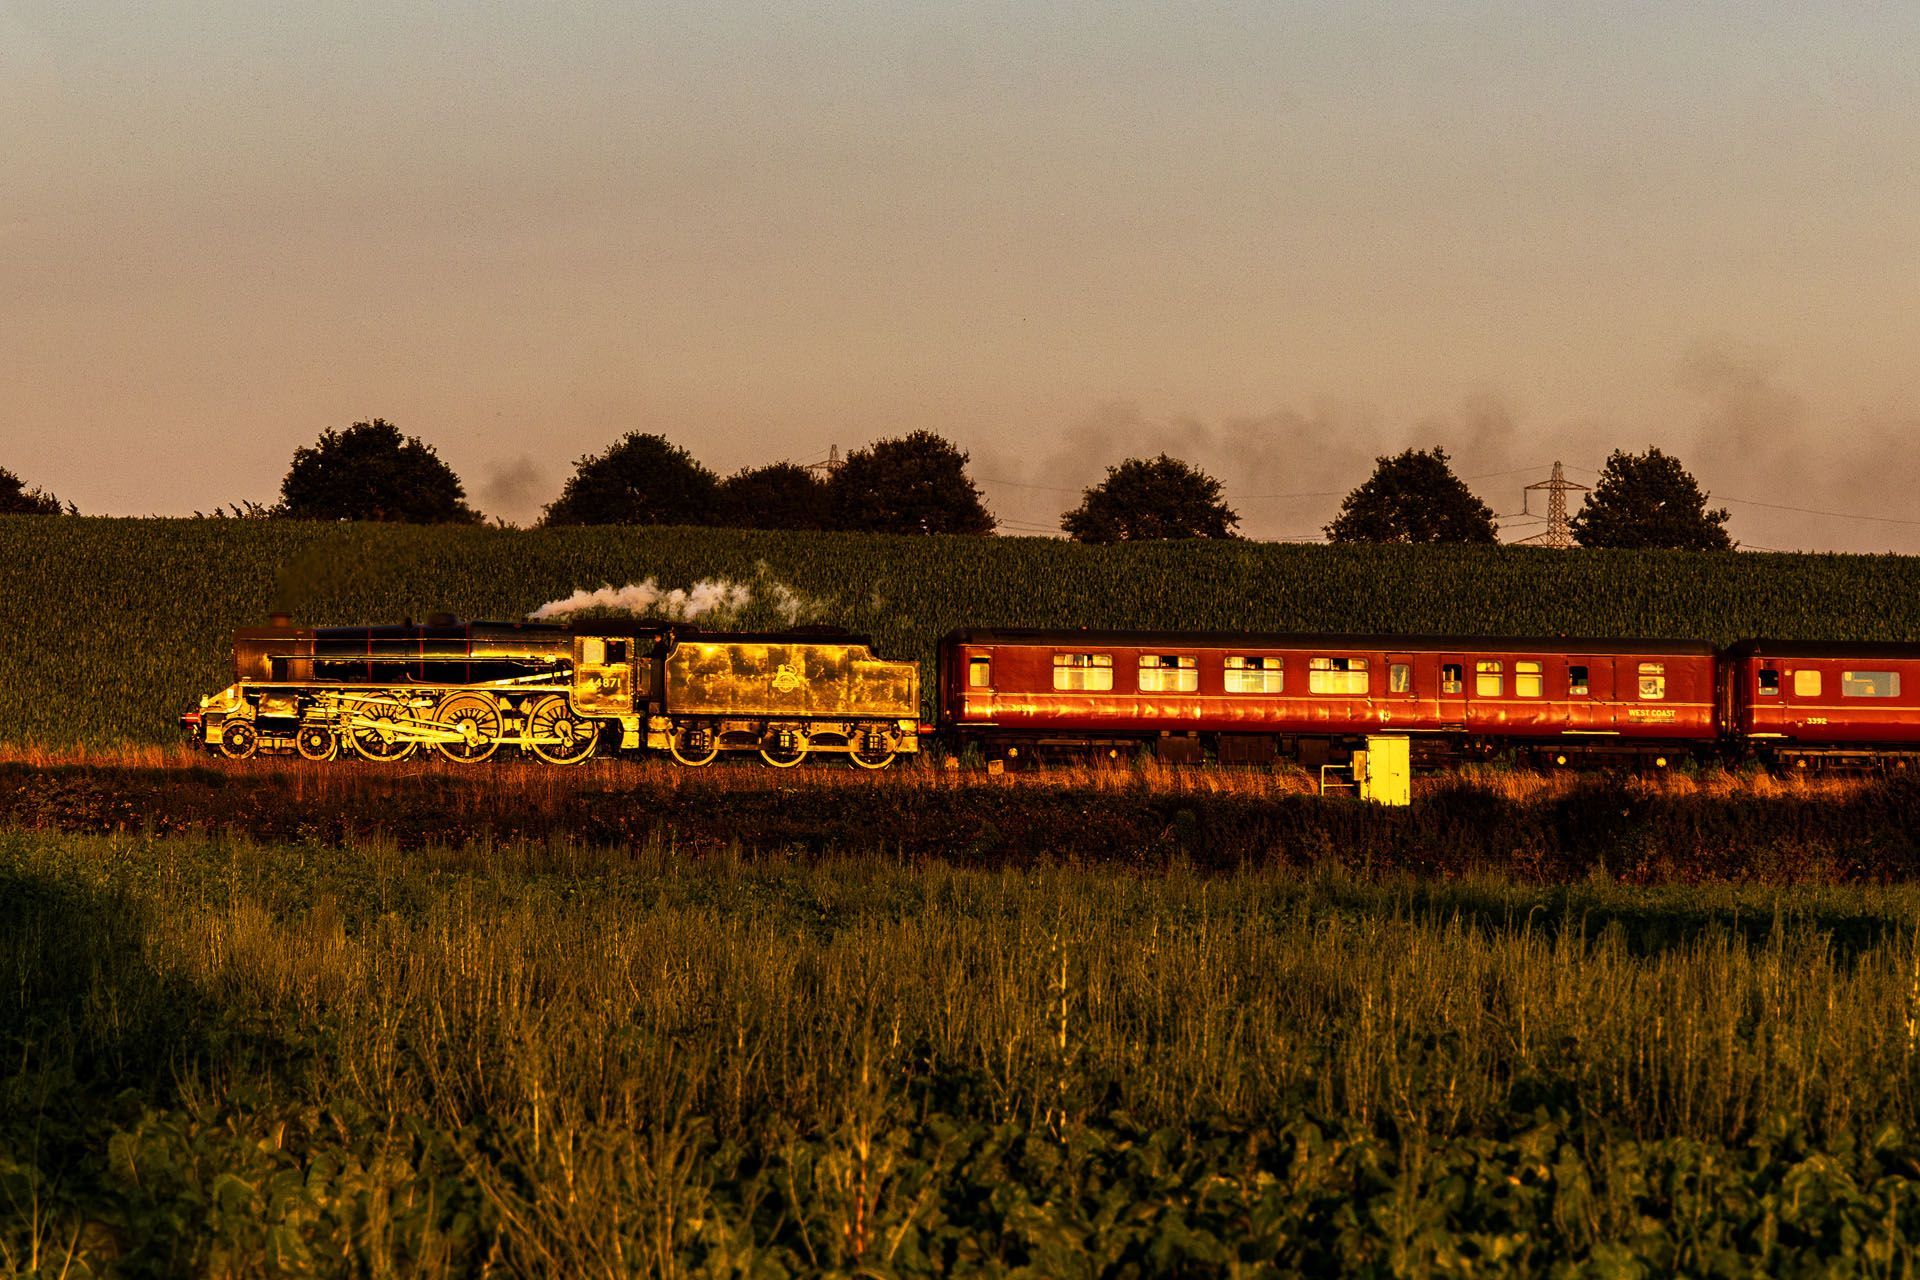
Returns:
<point x="476" y="718"/>
<point x="238" y="740"/>
<point x="316" y="742"/>
<point x="377" y="738"/>
<point x="557" y="735"/>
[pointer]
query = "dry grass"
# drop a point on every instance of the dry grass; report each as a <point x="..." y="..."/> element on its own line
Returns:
<point x="610" y="1051"/>
<point x="535" y="781"/>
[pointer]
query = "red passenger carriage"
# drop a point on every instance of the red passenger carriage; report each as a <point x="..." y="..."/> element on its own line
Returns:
<point x="1823" y="702"/>
<point x="1252" y="697"/>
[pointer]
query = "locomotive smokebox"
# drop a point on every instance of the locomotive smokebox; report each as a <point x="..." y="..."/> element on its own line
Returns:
<point x="273" y="652"/>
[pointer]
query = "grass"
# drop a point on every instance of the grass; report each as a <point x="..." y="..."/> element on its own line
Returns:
<point x="237" y="1058"/>
<point x="1684" y="827"/>
<point x="510" y="776"/>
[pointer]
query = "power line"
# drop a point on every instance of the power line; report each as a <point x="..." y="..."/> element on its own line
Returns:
<point x="1814" y="511"/>
<point x="1016" y="484"/>
<point x="1782" y="506"/>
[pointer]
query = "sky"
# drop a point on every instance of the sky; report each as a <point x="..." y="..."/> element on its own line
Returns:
<point x="1275" y="239"/>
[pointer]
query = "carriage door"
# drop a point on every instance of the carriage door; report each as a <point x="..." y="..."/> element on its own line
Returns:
<point x="976" y="684"/>
<point x="1400" y="704"/>
<point x="1451" y="685"/>
<point x="1590" y="703"/>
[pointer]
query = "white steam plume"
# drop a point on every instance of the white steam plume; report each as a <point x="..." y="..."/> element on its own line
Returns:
<point x="678" y="603"/>
<point x="713" y="599"/>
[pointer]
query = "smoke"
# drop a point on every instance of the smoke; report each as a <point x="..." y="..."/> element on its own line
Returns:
<point x="1748" y="415"/>
<point x="1758" y="441"/>
<point x="1284" y="472"/>
<point x="514" y="489"/>
<point x="792" y="605"/>
<point x="713" y="600"/>
<point x="1729" y="414"/>
<point x="716" y="600"/>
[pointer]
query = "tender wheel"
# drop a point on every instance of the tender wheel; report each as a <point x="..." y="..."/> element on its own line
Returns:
<point x="557" y="735"/>
<point x="872" y="751"/>
<point x="238" y="740"/>
<point x="316" y="742"/>
<point x="693" y="746"/>
<point x="784" y="756"/>
<point x="377" y="738"/>
<point x="476" y="718"/>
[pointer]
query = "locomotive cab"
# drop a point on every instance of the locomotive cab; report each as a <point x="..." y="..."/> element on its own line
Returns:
<point x="604" y="674"/>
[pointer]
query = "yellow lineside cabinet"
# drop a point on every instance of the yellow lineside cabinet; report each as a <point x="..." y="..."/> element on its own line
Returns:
<point x="1385" y="769"/>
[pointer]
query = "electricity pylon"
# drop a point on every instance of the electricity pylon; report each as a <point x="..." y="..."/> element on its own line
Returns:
<point x="1557" y="534"/>
<point x="832" y="464"/>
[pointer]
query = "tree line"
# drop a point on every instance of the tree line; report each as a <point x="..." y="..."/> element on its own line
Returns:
<point x="918" y="484"/>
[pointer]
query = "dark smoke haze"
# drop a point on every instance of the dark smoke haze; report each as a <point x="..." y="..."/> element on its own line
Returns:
<point x="1751" y="440"/>
<point x="516" y="489"/>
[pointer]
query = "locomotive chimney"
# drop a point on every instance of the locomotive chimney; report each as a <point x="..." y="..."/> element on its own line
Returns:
<point x="279" y="619"/>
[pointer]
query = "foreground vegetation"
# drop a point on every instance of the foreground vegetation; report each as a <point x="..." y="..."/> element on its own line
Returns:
<point x="241" y="1059"/>
<point x="1684" y="826"/>
<point x="113" y="626"/>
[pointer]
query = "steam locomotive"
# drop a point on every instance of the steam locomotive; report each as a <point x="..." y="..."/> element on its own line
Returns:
<point x="559" y="693"/>
<point x="563" y="693"/>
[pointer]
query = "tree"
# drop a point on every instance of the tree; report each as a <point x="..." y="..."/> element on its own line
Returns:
<point x="640" y="479"/>
<point x="1649" y="500"/>
<point x="1413" y="497"/>
<point x="914" y="483"/>
<point x="18" y="500"/>
<point x="778" y="496"/>
<point x="1146" y="498"/>
<point x="371" y="472"/>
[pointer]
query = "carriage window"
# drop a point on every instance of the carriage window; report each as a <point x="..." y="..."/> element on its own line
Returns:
<point x="1253" y="675"/>
<point x="1399" y="677"/>
<point x="1653" y="680"/>
<point x="1337" y="675"/>
<point x="1169" y="673"/>
<point x="1769" y="681"/>
<point x="1486" y="679"/>
<point x="1806" y="684"/>
<point x="1870" y="684"/>
<point x="616" y="651"/>
<point x="1577" y="683"/>
<point x="1083" y="671"/>
<point x="1529" y="679"/>
<point x="979" y="672"/>
<point x="1450" y="679"/>
<point x="593" y="651"/>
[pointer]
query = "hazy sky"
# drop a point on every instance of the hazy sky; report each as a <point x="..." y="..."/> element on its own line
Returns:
<point x="1275" y="238"/>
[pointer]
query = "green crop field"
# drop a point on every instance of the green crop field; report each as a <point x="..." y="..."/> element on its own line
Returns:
<point x="236" y="1059"/>
<point x="109" y="627"/>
